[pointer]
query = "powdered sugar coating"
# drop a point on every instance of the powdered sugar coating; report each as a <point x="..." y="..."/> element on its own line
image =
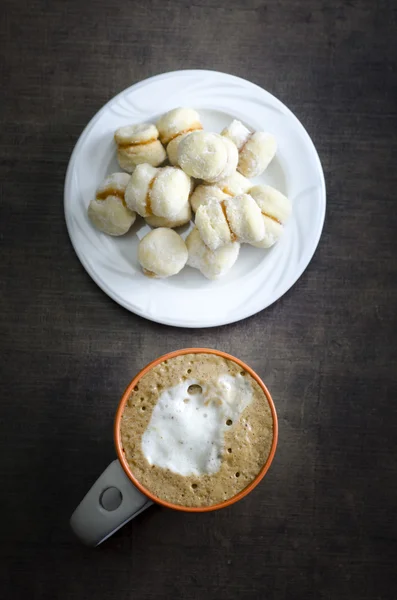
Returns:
<point x="212" y="225"/>
<point x="114" y="183"/>
<point x="235" y="184"/>
<point x="256" y="150"/>
<point x="275" y="208"/>
<point x="162" y="253"/>
<point x="136" y="134"/>
<point x="177" y="121"/>
<point x="203" y="194"/>
<point x="169" y="193"/>
<point x="203" y="155"/>
<point x="272" y="202"/>
<point x="237" y="133"/>
<point x="138" y="144"/>
<point x="273" y="232"/>
<point x="232" y="159"/>
<point x="108" y="211"/>
<point x="257" y="153"/>
<point x="245" y="218"/>
<point x="152" y="153"/>
<point x="181" y="218"/>
<point x="111" y="216"/>
<point x="212" y="264"/>
<point x="138" y="188"/>
<point x="172" y="148"/>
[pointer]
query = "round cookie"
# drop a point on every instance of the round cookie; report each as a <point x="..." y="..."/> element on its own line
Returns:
<point x="245" y="218"/>
<point x="272" y="202"/>
<point x="108" y="211"/>
<point x="172" y="148"/>
<point x="237" y="133"/>
<point x="257" y="153"/>
<point x="256" y="150"/>
<point x="275" y="208"/>
<point x="169" y="193"/>
<point x="235" y="184"/>
<point x="181" y="218"/>
<point x="203" y="155"/>
<point x="212" y="264"/>
<point x="203" y="194"/>
<point x="162" y="253"/>
<point x="137" y="193"/>
<point x="152" y="153"/>
<point x="139" y="133"/>
<point x="273" y="232"/>
<point x="138" y="144"/>
<point x="114" y="184"/>
<point x="213" y="226"/>
<point x="111" y="216"/>
<point x="177" y="121"/>
<point x="232" y="159"/>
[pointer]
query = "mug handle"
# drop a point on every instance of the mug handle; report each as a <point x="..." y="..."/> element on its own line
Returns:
<point x="112" y="501"/>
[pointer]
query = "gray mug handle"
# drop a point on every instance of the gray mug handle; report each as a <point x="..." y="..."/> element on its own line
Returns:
<point x="112" y="501"/>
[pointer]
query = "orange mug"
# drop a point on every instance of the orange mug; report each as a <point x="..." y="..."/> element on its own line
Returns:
<point x="117" y="496"/>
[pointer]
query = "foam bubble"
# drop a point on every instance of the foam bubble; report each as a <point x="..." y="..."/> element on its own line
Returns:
<point x="186" y="430"/>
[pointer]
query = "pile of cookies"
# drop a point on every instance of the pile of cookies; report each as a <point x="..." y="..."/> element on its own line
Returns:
<point x="175" y="169"/>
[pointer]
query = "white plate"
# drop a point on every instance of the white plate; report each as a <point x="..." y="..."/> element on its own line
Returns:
<point x="259" y="277"/>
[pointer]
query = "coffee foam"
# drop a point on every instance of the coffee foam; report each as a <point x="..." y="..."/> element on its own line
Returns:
<point x="186" y="430"/>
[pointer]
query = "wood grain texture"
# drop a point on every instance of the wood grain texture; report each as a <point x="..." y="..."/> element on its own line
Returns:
<point x="322" y="524"/>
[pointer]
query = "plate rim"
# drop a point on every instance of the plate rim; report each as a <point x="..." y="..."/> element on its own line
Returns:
<point x="85" y="262"/>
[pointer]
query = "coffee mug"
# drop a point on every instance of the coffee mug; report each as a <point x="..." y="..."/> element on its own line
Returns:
<point x="117" y="496"/>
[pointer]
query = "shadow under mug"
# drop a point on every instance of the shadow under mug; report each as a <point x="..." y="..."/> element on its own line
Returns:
<point x="117" y="496"/>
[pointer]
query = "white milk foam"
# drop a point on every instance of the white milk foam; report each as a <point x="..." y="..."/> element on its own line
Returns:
<point x="186" y="430"/>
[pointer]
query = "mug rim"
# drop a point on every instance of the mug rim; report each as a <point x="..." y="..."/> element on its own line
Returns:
<point x="118" y="442"/>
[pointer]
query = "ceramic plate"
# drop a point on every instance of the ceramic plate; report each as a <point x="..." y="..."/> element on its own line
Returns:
<point x="259" y="277"/>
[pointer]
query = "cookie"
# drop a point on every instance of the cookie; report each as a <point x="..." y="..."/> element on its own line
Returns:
<point x="213" y="264"/>
<point x="138" y="144"/>
<point x="162" y="253"/>
<point x="108" y="211"/>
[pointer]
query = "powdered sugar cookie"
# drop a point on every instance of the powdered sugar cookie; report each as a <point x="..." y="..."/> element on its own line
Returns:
<point x="172" y="148"/>
<point x="213" y="226"/>
<point x="256" y="150"/>
<point x="114" y="184"/>
<point x="176" y="122"/>
<point x="203" y="194"/>
<point x="162" y="253"/>
<point x="181" y="218"/>
<point x="235" y="184"/>
<point x="203" y="155"/>
<point x="237" y="133"/>
<point x="232" y="159"/>
<point x="137" y="193"/>
<point x="159" y="192"/>
<point x="244" y="218"/>
<point x="137" y="144"/>
<point x="108" y="211"/>
<point x="212" y="264"/>
<point x="257" y="153"/>
<point x="169" y="193"/>
<point x="275" y="208"/>
<point x="273" y="232"/>
<point x="139" y="133"/>
<point x="272" y="202"/>
<point x="236" y="218"/>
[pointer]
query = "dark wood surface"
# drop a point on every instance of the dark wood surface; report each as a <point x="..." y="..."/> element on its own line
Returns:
<point x="323" y="523"/>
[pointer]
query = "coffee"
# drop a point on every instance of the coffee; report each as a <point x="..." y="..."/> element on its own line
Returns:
<point x="196" y="430"/>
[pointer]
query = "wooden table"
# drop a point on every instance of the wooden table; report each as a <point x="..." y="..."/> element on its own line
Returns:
<point x="323" y="523"/>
